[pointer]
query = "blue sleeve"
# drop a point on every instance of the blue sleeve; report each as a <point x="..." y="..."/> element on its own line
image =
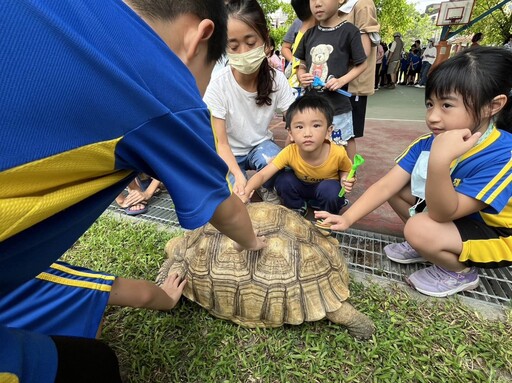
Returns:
<point x="26" y="357"/>
<point x="407" y="159"/>
<point x="179" y="150"/>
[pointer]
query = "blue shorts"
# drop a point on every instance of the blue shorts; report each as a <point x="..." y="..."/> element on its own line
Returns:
<point x="64" y="300"/>
<point x="343" y="128"/>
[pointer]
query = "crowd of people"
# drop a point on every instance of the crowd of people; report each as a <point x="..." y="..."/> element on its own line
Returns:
<point x="451" y="186"/>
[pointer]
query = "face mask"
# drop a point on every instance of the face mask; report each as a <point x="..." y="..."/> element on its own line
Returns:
<point x="419" y="175"/>
<point x="248" y="62"/>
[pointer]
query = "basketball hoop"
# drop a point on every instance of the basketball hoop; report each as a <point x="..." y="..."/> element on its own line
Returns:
<point x="454" y="13"/>
<point x="454" y="20"/>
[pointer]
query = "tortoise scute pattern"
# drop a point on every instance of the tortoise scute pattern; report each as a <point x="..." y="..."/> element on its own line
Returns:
<point x="300" y="276"/>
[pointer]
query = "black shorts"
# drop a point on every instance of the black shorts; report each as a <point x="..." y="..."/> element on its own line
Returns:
<point x="483" y="245"/>
<point x="358" y="114"/>
<point x="84" y="360"/>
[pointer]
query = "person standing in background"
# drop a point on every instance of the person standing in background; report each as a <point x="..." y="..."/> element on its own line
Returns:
<point x="394" y="55"/>
<point x="363" y="14"/>
<point x="378" y="64"/>
<point x="475" y="40"/>
<point x="288" y="39"/>
<point x="429" y="56"/>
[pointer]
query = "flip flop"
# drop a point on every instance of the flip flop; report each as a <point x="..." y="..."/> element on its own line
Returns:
<point x="131" y="212"/>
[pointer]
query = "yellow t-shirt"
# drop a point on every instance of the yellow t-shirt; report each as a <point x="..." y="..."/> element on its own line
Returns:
<point x="336" y="161"/>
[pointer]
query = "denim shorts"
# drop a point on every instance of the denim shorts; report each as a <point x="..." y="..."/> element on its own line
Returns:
<point x="343" y="128"/>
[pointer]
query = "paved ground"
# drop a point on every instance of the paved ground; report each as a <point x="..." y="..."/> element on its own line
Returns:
<point x="394" y="118"/>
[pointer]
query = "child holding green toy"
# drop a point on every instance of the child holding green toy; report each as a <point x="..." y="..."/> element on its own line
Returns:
<point x="319" y="168"/>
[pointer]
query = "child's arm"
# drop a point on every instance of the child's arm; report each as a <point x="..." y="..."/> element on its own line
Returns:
<point x="145" y="294"/>
<point x="226" y="154"/>
<point x="337" y="83"/>
<point x="372" y="198"/>
<point x="305" y="78"/>
<point x="232" y="219"/>
<point x="347" y="183"/>
<point x="259" y="179"/>
<point x="444" y="203"/>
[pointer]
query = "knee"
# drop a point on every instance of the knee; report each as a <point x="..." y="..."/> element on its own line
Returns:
<point x="417" y="231"/>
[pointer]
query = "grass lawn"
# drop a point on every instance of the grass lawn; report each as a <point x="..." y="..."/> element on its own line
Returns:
<point x="437" y="340"/>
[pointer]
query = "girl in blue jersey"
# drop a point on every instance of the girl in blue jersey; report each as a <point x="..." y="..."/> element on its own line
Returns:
<point x="452" y="187"/>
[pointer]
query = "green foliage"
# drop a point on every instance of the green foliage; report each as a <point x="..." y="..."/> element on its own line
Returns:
<point x="269" y="6"/>
<point x="438" y="340"/>
<point x="496" y="27"/>
<point x="278" y="33"/>
<point x="423" y="29"/>
<point x="395" y="16"/>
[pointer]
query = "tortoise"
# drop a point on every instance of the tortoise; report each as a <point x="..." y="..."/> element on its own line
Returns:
<point x="300" y="276"/>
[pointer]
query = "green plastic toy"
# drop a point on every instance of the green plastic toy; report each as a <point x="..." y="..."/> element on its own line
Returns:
<point x="358" y="161"/>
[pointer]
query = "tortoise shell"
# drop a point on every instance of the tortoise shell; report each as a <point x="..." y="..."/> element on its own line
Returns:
<point x="300" y="276"/>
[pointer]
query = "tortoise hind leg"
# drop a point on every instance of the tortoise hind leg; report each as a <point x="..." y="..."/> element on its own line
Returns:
<point x="358" y="324"/>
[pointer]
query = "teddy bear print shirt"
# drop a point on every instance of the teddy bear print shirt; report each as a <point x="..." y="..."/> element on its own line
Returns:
<point x="331" y="52"/>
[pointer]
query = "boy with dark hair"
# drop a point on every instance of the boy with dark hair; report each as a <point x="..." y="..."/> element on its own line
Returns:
<point x="319" y="167"/>
<point x="92" y="94"/>
<point x="333" y="52"/>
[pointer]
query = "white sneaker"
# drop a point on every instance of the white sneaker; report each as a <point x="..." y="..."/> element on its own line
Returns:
<point x="268" y="195"/>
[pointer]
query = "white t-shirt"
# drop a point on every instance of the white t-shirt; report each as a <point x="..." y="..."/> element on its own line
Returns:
<point x="246" y="123"/>
<point x="430" y="51"/>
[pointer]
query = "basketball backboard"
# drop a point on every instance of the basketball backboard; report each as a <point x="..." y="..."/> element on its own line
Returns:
<point x="455" y="12"/>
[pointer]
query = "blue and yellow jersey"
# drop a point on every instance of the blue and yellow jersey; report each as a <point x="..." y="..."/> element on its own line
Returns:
<point x="90" y="96"/>
<point x="484" y="173"/>
<point x="63" y="300"/>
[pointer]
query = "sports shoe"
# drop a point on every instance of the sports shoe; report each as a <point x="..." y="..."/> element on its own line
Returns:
<point x="438" y="282"/>
<point x="403" y="253"/>
<point x="303" y="211"/>
<point x="268" y="195"/>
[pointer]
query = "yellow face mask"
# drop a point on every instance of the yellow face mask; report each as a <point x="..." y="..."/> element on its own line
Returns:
<point x="247" y="62"/>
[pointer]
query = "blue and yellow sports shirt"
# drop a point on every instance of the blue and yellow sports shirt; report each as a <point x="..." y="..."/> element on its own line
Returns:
<point x="90" y="96"/>
<point x="484" y="172"/>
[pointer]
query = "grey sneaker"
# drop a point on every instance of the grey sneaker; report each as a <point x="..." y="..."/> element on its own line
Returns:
<point x="268" y="195"/>
<point x="303" y="211"/>
<point x="403" y="253"/>
<point x="438" y="282"/>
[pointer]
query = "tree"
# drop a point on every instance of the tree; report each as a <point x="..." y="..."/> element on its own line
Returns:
<point x="394" y="16"/>
<point x="496" y="26"/>
<point x="279" y="32"/>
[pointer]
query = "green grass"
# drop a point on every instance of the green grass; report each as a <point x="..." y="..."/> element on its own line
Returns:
<point x="430" y="341"/>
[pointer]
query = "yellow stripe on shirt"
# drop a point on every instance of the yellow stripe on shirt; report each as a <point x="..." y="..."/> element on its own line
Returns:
<point x="65" y="269"/>
<point x="40" y="189"/>
<point x="73" y="282"/>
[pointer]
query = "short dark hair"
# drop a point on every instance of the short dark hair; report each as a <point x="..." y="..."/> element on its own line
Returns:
<point x="302" y="9"/>
<point x="477" y="37"/>
<point x="168" y="10"/>
<point x="478" y="74"/>
<point x="310" y="101"/>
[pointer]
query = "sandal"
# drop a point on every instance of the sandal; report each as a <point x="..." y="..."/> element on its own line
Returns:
<point x="129" y="210"/>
